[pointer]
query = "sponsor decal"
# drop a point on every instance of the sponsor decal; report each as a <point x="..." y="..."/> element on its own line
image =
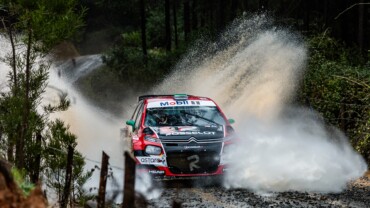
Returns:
<point x="191" y="133"/>
<point x="156" y="172"/>
<point x="167" y="129"/>
<point x="153" y="160"/>
<point x="188" y="128"/>
<point x="193" y="147"/>
<point x="194" y="160"/>
<point x="163" y="104"/>
<point x="173" y="103"/>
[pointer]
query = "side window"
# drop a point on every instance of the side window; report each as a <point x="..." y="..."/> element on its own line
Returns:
<point x="135" y="112"/>
<point x="138" y="116"/>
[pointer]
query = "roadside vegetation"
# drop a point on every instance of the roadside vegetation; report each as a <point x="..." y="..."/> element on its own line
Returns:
<point x="149" y="38"/>
<point x="33" y="144"/>
<point x="337" y="84"/>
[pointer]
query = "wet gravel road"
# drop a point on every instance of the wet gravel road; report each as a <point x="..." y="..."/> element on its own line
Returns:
<point x="357" y="194"/>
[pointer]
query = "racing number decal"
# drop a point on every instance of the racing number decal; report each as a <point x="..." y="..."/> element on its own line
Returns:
<point x="193" y="164"/>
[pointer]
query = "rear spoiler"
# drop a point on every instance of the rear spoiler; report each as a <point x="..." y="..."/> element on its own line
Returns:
<point x="179" y="96"/>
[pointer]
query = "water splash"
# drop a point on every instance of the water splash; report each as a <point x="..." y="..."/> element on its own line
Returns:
<point x="253" y="72"/>
<point x="96" y="130"/>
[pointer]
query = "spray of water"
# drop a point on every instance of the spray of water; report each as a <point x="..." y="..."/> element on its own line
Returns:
<point x="96" y="129"/>
<point x="253" y="72"/>
<point x="4" y="69"/>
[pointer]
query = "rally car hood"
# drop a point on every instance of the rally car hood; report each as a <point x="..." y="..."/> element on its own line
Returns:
<point x="180" y="134"/>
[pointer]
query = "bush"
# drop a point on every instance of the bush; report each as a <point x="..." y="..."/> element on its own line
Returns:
<point x="338" y="86"/>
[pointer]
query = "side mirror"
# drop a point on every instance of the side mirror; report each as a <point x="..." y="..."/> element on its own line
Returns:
<point x="131" y="123"/>
<point x="231" y="121"/>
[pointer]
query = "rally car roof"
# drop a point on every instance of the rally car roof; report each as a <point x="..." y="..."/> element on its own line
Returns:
<point x="171" y="97"/>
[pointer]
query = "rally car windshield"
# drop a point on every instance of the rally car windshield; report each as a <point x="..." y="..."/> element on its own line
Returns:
<point x="184" y="116"/>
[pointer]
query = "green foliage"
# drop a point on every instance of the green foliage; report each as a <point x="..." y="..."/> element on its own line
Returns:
<point x="26" y="139"/>
<point x="48" y="22"/>
<point x="339" y="88"/>
<point x="22" y="181"/>
<point x="128" y="62"/>
<point x="156" y="28"/>
<point x="53" y="23"/>
<point x="39" y="25"/>
<point x="131" y="39"/>
<point x="59" y="139"/>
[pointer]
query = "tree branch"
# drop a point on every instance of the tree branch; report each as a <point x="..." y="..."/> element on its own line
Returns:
<point x="353" y="81"/>
<point x="344" y="11"/>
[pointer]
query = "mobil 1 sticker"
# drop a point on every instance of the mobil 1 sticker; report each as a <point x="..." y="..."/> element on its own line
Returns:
<point x="152" y="160"/>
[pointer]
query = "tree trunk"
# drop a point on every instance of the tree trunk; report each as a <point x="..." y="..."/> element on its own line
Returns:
<point x="10" y="151"/>
<point x="245" y="5"/>
<point x="20" y="144"/>
<point x="211" y="17"/>
<point x="326" y="13"/>
<point x="68" y="178"/>
<point x="14" y="63"/>
<point x="221" y="15"/>
<point x="361" y="14"/>
<point x="194" y="15"/>
<point x="143" y="30"/>
<point x="234" y="7"/>
<point x="306" y="18"/>
<point x="37" y="161"/>
<point x="174" y="4"/>
<point x="346" y="22"/>
<point x="14" y="88"/>
<point x="202" y="15"/>
<point x="168" y="25"/>
<point x="186" y="20"/>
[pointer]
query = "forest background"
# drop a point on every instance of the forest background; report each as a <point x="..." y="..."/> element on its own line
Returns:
<point x="141" y="41"/>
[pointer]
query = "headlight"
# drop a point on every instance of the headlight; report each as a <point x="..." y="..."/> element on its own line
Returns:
<point x="151" y="139"/>
<point x="153" y="150"/>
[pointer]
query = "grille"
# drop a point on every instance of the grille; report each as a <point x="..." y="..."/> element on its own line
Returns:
<point x="185" y="141"/>
<point x="193" y="162"/>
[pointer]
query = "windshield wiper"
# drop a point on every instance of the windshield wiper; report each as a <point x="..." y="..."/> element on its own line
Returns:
<point x="198" y="116"/>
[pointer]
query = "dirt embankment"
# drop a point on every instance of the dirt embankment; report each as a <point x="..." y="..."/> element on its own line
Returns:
<point x="12" y="197"/>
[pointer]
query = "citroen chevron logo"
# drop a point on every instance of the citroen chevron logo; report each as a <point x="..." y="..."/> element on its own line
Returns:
<point x="192" y="139"/>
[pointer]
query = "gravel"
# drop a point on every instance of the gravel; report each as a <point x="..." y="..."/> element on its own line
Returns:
<point x="357" y="194"/>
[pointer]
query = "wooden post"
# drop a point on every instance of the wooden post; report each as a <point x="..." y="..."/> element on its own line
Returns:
<point x="129" y="186"/>
<point x="68" y="180"/>
<point x="176" y="204"/>
<point x="103" y="180"/>
<point x="37" y="161"/>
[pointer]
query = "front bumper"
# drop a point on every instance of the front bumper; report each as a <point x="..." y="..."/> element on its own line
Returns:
<point x="165" y="172"/>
